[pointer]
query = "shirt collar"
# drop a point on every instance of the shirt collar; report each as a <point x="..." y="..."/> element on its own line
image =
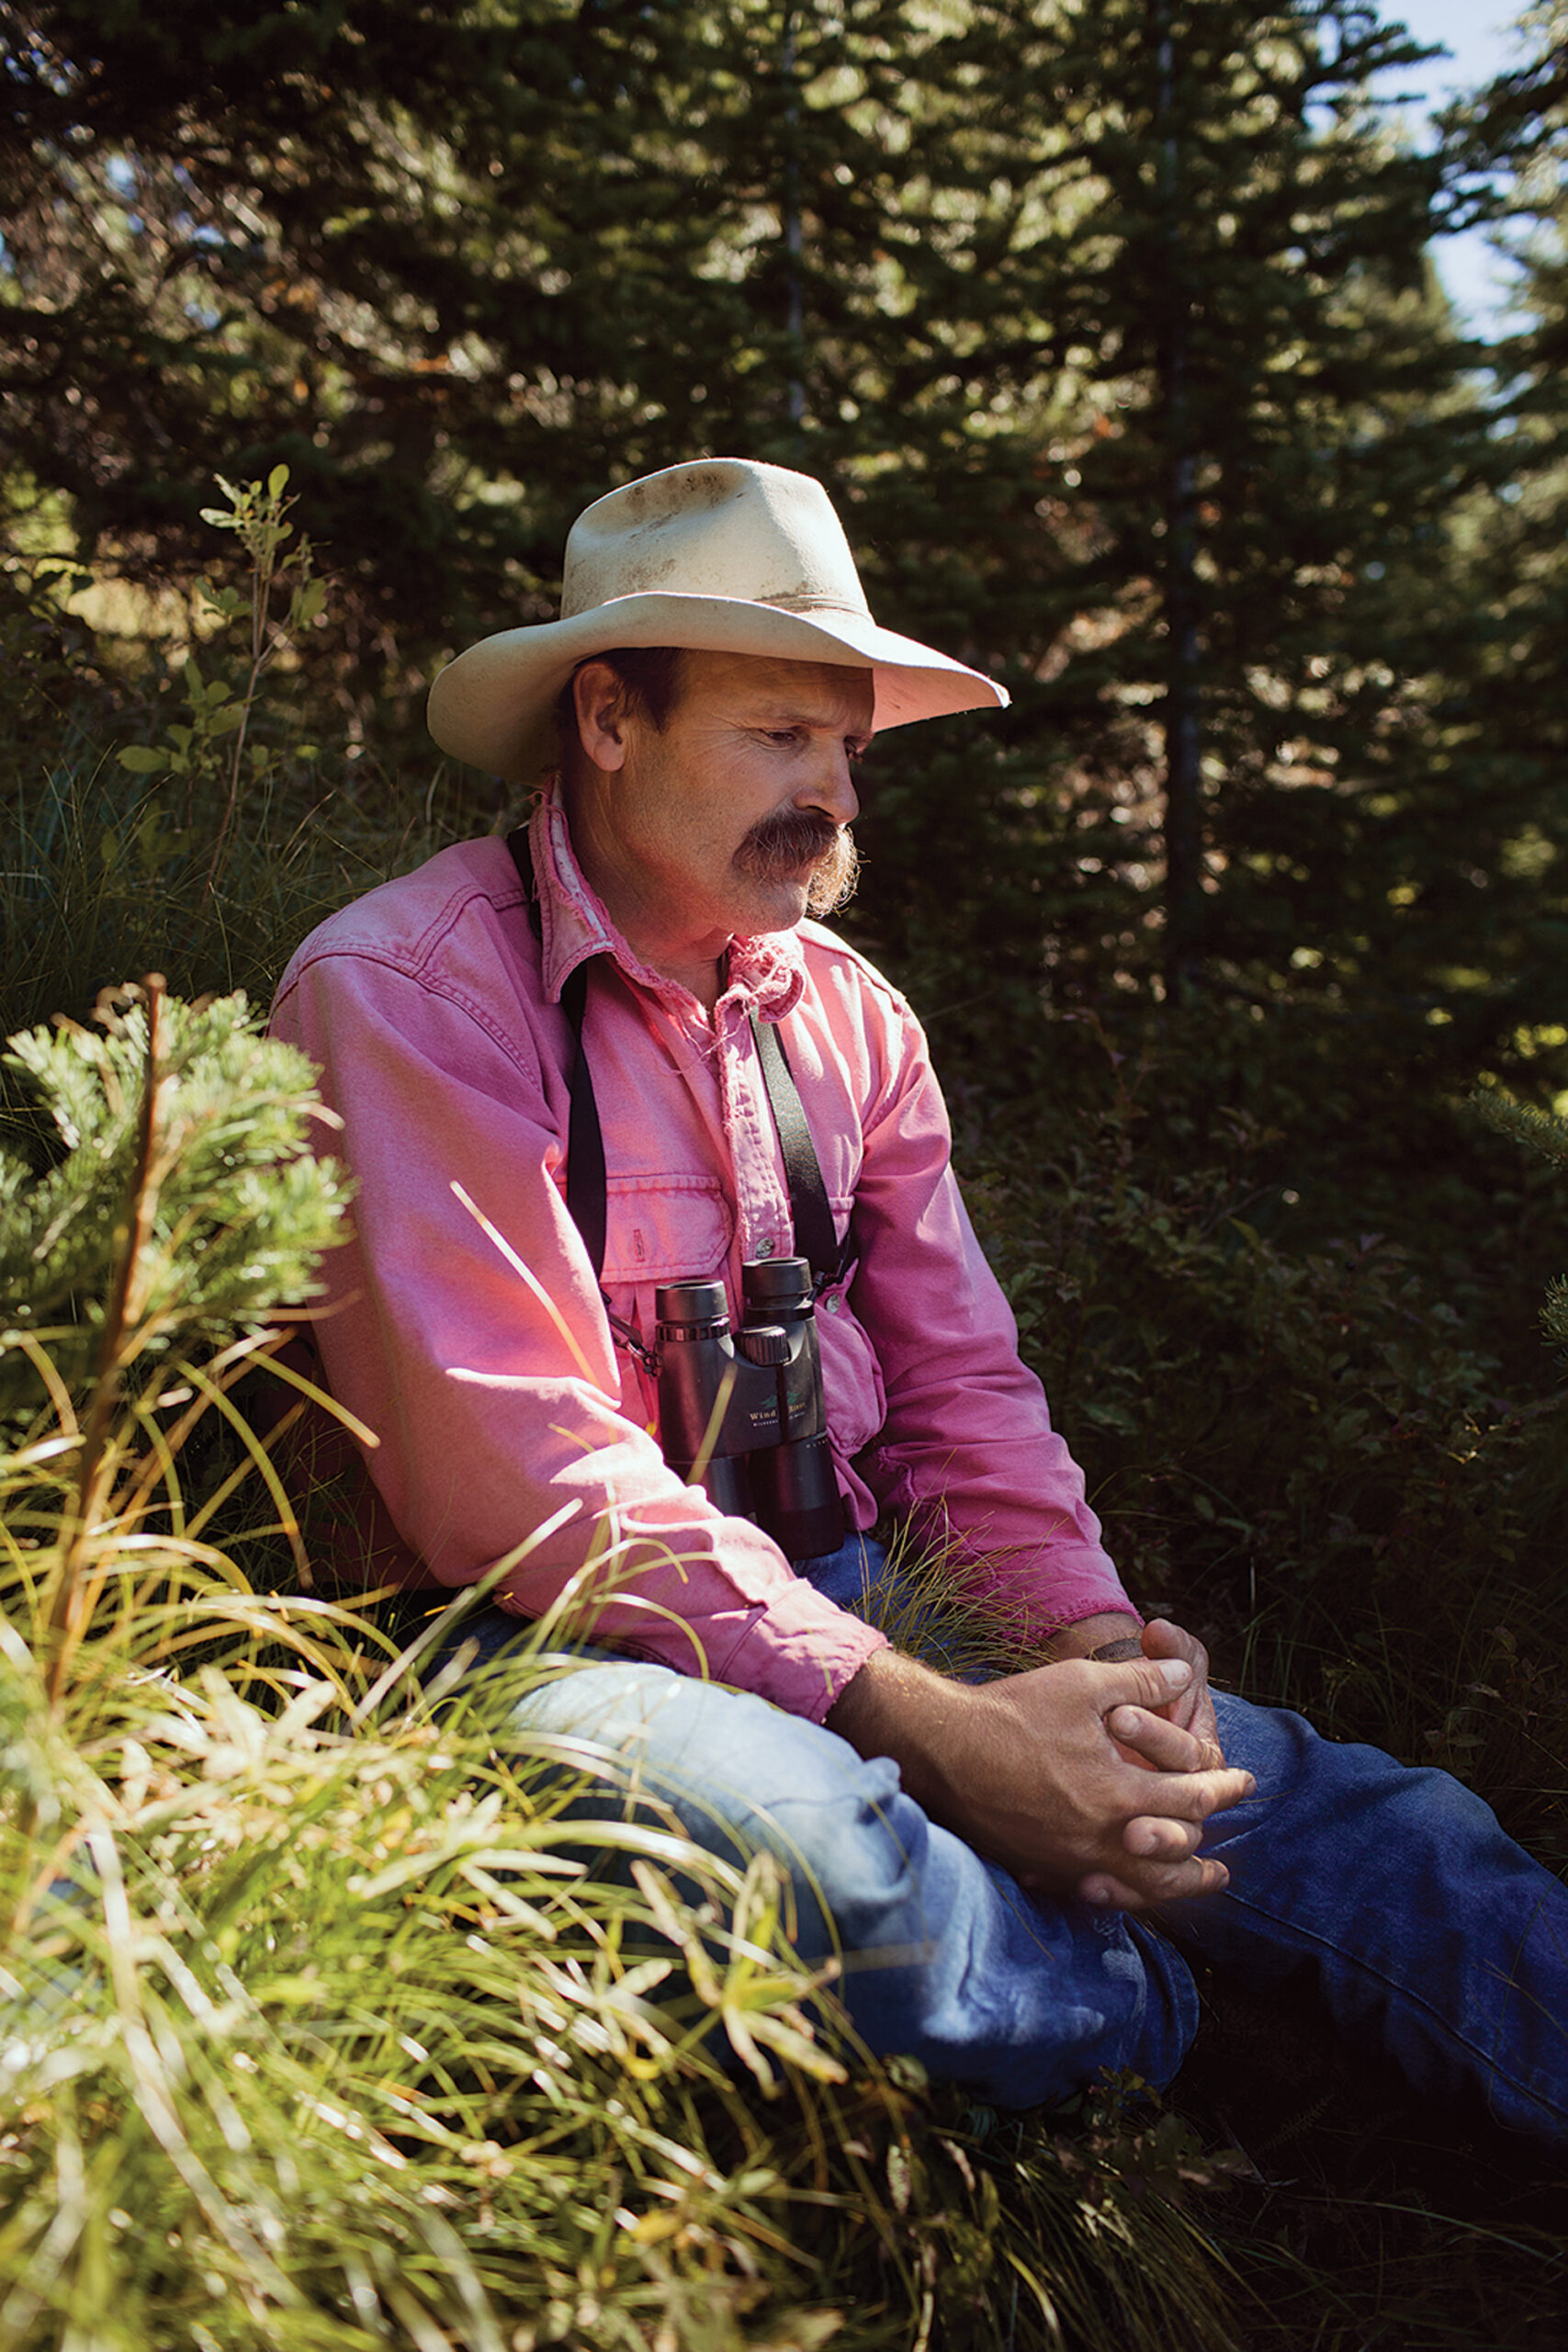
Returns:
<point x="766" y="973"/>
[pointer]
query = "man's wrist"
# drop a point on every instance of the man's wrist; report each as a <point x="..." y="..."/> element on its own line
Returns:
<point x="1125" y="1645"/>
<point x="875" y="1697"/>
<point x="1090" y="1636"/>
<point x="894" y="1706"/>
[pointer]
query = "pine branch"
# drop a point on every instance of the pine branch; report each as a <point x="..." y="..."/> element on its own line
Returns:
<point x="185" y="1212"/>
<point x="71" y="1605"/>
<point x="1542" y="1131"/>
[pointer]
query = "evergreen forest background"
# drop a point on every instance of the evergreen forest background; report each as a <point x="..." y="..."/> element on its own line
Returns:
<point x="1242" y="937"/>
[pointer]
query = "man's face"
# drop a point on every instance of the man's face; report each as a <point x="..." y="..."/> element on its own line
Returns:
<point x="720" y="824"/>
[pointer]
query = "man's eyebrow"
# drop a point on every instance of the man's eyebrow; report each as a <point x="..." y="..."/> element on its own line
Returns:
<point x="791" y="714"/>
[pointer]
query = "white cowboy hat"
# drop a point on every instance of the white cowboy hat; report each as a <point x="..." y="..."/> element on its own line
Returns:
<point x="725" y="556"/>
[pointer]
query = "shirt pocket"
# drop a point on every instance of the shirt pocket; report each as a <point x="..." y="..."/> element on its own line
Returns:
<point x="852" y="1392"/>
<point x="665" y="1230"/>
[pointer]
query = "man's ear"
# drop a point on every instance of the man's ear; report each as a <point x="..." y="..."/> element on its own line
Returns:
<point x="599" y="700"/>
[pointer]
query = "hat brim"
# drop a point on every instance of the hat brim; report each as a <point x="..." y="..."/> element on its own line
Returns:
<point x="495" y="704"/>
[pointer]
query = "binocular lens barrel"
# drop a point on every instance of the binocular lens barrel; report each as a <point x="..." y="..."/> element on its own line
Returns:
<point x="691" y="1310"/>
<point x="796" y="1496"/>
<point x="744" y="1411"/>
<point x="776" y="1287"/>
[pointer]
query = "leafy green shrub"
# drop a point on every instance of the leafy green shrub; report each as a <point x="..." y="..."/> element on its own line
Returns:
<point x="214" y="745"/>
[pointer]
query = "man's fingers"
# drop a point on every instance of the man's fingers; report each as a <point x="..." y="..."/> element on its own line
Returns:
<point x="1155" y="1840"/>
<point x="1149" y="1886"/>
<point x="1192" y="1796"/>
<point x="1145" y="1681"/>
<point x="1168" y="1746"/>
<point x="1163" y="1638"/>
<point x="1192" y="1708"/>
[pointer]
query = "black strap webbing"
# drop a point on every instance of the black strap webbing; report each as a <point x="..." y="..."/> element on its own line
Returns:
<point x="814" y="1238"/>
<point x="587" y="1186"/>
<point x="586" y="1182"/>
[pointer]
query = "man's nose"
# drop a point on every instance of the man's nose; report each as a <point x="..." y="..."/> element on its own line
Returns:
<point x="832" y="788"/>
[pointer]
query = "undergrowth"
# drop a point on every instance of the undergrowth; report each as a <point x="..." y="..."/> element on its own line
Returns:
<point x="1303" y="1451"/>
<point x="319" y="2025"/>
<point x="325" y="2018"/>
<point x="182" y="807"/>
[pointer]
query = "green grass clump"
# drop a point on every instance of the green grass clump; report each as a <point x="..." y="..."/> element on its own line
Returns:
<point x="318" y="2035"/>
<point x="325" y="2016"/>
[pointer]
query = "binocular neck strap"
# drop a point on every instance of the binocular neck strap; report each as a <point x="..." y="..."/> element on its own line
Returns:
<point x="811" y="1212"/>
<point x="586" y="1183"/>
<point x="587" y="1187"/>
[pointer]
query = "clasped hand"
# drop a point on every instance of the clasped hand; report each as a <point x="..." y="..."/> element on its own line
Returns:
<point x="1079" y="1778"/>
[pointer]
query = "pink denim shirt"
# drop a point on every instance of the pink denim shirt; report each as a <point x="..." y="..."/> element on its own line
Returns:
<point x="431" y="1007"/>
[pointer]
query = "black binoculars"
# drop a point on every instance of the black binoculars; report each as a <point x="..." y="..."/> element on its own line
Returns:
<point x="742" y="1411"/>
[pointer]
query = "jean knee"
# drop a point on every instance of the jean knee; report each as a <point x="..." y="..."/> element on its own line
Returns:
<point x="737" y="1774"/>
<point x="1355" y="1797"/>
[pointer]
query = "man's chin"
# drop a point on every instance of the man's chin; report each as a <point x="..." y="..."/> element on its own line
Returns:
<point x="832" y="886"/>
<point x="774" y="905"/>
<point x="791" y="902"/>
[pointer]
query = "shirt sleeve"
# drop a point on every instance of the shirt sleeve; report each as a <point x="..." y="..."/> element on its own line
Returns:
<point x="486" y="1366"/>
<point x="967" y="1449"/>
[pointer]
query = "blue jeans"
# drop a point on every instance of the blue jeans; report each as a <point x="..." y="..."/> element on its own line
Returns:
<point x="1430" y="1936"/>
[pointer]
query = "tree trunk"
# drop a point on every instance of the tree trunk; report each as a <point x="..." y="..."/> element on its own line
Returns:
<point x="1183" y="693"/>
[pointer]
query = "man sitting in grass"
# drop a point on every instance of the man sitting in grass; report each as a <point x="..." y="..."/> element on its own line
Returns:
<point x="990" y="1859"/>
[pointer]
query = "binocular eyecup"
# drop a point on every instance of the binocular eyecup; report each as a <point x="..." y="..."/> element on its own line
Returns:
<point x="741" y="1413"/>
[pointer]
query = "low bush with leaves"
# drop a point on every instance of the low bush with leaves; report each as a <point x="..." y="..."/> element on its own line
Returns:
<point x="212" y="745"/>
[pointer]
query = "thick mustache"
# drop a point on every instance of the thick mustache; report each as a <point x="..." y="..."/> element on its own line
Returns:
<point x="780" y="845"/>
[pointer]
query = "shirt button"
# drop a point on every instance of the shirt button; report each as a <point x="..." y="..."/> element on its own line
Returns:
<point x="766" y="1249"/>
<point x="832" y="1304"/>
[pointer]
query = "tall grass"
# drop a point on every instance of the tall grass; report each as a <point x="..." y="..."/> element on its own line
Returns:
<point x="171" y="810"/>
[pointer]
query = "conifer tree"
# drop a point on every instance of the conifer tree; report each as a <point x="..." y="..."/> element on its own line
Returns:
<point x="1107" y="321"/>
<point x="183" y="1213"/>
<point x="1509" y="715"/>
<point x="238" y="236"/>
<point x="1545" y="1132"/>
<point x="1232" y="406"/>
<point x="459" y="270"/>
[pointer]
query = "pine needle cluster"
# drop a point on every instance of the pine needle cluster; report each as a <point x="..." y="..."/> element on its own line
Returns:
<point x="180" y="1121"/>
<point x="1546" y="1134"/>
